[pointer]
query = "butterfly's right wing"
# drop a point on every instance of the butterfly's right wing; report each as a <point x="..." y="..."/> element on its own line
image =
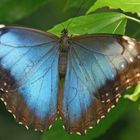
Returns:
<point x="100" y="68"/>
<point x="29" y="75"/>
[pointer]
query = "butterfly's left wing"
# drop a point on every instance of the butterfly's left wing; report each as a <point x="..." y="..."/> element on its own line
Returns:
<point x="29" y="75"/>
<point x="99" y="70"/>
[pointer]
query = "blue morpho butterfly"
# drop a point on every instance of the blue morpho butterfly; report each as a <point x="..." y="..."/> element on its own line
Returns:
<point x="97" y="70"/>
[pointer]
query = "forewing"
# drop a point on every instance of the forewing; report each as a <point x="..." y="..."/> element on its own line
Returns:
<point x="100" y="68"/>
<point x="29" y="75"/>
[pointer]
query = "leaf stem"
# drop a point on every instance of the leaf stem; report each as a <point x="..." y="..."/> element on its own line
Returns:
<point x="132" y="18"/>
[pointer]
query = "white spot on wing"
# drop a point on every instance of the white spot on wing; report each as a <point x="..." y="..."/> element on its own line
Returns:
<point x="116" y="88"/>
<point x="6" y="91"/>
<point x="128" y="80"/>
<point x="90" y="127"/>
<point x="5" y="103"/>
<point x="5" y="84"/>
<point x="106" y="94"/>
<point x="78" y="133"/>
<point x="2" y="26"/>
<point x="85" y="131"/>
<point x="50" y="126"/>
<point x="14" y="116"/>
<point x="112" y="106"/>
<point x="98" y="121"/>
<point x="138" y="56"/>
<point x="63" y="127"/>
<point x="131" y="59"/>
<point x="10" y="111"/>
<point x="26" y="127"/>
<point x="1" y="89"/>
<point x="102" y="117"/>
<point x="2" y="99"/>
<point x="108" y="100"/>
<point x="20" y="123"/>
<point x="138" y="74"/>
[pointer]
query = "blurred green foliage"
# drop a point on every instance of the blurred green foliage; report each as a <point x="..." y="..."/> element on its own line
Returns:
<point x="12" y="10"/>
<point x="122" y="123"/>
<point x="78" y="3"/>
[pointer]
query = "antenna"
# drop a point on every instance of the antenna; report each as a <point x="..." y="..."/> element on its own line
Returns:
<point x="77" y="12"/>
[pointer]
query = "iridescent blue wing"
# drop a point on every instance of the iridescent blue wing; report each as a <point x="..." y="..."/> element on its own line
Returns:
<point x="99" y="69"/>
<point x="29" y="75"/>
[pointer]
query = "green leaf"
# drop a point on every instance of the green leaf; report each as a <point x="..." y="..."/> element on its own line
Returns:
<point x="12" y="10"/>
<point x="112" y="22"/>
<point x="132" y="6"/>
<point x="136" y="94"/>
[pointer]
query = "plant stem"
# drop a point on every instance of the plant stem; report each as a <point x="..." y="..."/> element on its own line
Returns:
<point x="132" y="18"/>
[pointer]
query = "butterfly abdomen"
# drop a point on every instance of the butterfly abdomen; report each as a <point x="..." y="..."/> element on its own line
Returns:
<point x="62" y="63"/>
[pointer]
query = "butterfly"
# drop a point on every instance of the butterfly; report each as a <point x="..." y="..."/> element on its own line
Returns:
<point x="97" y="70"/>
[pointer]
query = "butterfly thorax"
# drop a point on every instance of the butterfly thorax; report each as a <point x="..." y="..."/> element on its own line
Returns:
<point x="64" y="47"/>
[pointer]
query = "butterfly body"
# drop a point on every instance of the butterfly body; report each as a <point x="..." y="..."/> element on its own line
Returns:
<point x="63" y="52"/>
<point x="97" y="70"/>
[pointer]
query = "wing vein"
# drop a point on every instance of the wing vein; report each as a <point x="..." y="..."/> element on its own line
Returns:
<point x="36" y="45"/>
